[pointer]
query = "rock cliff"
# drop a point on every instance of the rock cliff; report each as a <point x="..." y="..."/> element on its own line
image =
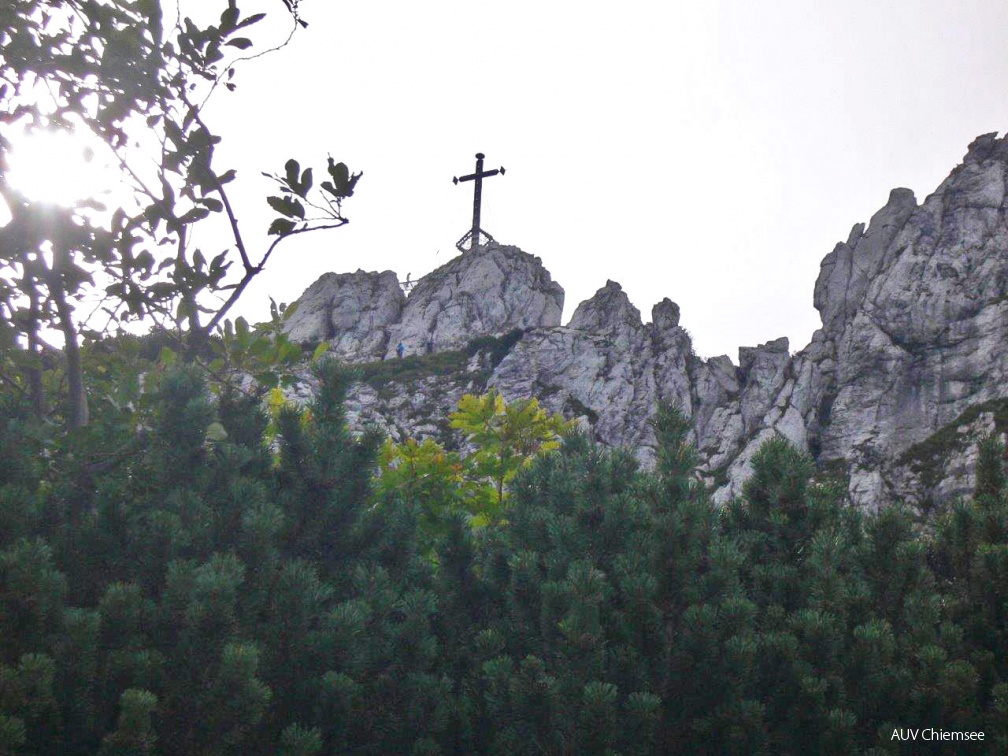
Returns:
<point x="915" y="319"/>
<point x="909" y="368"/>
<point x="493" y="289"/>
<point x="352" y="311"/>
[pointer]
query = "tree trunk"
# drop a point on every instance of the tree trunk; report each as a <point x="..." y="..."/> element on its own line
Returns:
<point x="34" y="370"/>
<point x="77" y="405"/>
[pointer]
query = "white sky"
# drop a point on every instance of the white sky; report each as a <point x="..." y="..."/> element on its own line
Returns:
<point x="711" y="152"/>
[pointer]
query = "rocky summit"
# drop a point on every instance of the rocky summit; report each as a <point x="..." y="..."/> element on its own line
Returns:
<point x="908" y="371"/>
<point x="353" y="312"/>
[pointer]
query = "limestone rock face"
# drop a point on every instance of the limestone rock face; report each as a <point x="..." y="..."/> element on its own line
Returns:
<point x="915" y="316"/>
<point x="352" y="311"/>
<point x="605" y="367"/>
<point x="491" y="290"/>
<point x="909" y="368"/>
<point x="609" y="313"/>
<point x="665" y="316"/>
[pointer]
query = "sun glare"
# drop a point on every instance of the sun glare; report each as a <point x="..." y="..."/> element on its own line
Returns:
<point x="56" y="166"/>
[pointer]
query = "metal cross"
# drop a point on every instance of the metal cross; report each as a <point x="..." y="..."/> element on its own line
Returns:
<point x="477" y="199"/>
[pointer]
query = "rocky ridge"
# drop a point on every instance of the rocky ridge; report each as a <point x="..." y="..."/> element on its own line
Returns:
<point x="908" y="369"/>
<point x="493" y="289"/>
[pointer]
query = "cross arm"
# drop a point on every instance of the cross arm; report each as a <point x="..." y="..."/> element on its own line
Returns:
<point x="484" y="174"/>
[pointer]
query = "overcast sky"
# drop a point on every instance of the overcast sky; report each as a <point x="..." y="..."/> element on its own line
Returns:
<point x="711" y="152"/>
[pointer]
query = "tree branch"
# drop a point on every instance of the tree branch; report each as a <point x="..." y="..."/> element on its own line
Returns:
<point x="252" y="272"/>
<point x="236" y="232"/>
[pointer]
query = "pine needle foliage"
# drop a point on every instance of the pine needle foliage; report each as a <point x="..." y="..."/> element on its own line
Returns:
<point x="188" y="575"/>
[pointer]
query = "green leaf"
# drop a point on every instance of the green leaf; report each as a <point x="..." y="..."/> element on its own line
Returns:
<point x="280" y="227"/>
<point x="200" y="139"/>
<point x="343" y="182"/>
<point x="289" y="351"/>
<point x="174" y="133"/>
<point x="162" y="289"/>
<point x="293" y="169"/>
<point x="144" y="261"/>
<point x="184" y="310"/>
<point x="151" y="9"/>
<point x="261" y="346"/>
<point x="218" y="263"/>
<point x="242" y="43"/>
<point x="193" y="216"/>
<point x="152" y="214"/>
<point x="287" y="206"/>
<point x="321" y="349"/>
<point x="253" y="19"/>
<point x="339" y="172"/>
<point x="216" y="432"/>
<point x="229" y="18"/>
<point x="306" y="183"/>
<point x="266" y="378"/>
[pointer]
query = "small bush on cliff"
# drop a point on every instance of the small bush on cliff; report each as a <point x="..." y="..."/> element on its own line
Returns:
<point x="502" y="439"/>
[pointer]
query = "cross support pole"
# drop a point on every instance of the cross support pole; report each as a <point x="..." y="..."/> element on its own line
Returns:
<point x="477" y="178"/>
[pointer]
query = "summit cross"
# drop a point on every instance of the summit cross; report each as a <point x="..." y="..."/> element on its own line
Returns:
<point x="473" y="236"/>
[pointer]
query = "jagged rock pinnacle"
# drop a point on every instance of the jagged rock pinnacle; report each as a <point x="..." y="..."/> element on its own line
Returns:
<point x="910" y="363"/>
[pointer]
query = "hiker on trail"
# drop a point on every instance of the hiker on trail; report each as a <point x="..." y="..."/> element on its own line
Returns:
<point x="400" y="350"/>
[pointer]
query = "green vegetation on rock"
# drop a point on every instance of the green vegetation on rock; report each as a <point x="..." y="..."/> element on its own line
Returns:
<point x="413" y="368"/>
<point x="928" y="458"/>
<point x="409" y="369"/>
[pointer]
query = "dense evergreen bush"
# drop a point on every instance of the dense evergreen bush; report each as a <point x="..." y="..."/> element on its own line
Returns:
<point x="188" y="576"/>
